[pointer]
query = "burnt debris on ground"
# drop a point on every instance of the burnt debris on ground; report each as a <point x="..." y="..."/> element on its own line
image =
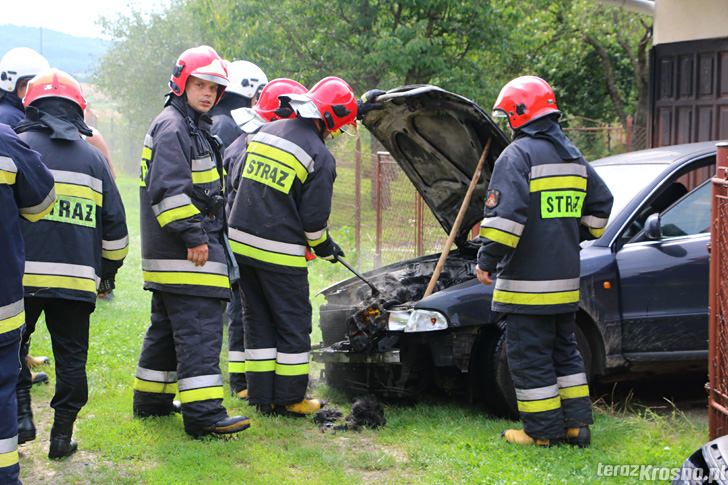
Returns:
<point x="366" y="412"/>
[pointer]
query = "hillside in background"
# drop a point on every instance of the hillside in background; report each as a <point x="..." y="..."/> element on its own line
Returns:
<point x="75" y="55"/>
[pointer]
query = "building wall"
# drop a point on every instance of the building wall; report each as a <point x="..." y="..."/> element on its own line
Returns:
<point x="689" y="91"/>
<point x="683" y="20"/>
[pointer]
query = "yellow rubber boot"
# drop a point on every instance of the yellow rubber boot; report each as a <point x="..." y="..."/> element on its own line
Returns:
<point x="519" y="437"/>
<point x="242" y="394"/>
<point x="34" y="362"/>
<point x="580" y="437"/>
<point x="306" y="407"/>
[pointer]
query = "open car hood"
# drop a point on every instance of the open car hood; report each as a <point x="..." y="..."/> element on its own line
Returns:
<point x="437" y="138"/>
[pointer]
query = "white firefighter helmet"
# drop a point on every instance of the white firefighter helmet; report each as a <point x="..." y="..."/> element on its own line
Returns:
<point x="246" y="79"/>
<point x="20" y="63"/>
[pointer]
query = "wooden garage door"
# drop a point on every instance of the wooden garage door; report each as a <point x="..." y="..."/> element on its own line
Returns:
<point x="689" y="100"/>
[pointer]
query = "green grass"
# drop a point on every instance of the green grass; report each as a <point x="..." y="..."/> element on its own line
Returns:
<point x="431" y="442"/>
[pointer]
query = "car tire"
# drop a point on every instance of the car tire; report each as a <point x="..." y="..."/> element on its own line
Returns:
<point x="499" y="395"/>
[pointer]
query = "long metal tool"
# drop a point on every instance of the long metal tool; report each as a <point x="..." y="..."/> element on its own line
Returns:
<point x="458" y="221"/>
<point x="375" y="291"/>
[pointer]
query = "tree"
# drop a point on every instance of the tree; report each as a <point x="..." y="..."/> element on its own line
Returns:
<point x="597" y="59"/>
<point x="594" y="56"/>
<point x="136" y="68"/>
<point x="367" y="42"/>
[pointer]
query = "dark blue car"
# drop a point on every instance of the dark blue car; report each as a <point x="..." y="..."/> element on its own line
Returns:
<point x="644" y="283"/>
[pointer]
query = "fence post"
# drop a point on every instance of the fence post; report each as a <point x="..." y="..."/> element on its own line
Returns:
<point x="630" y="121"/>
<point x="718" y="300"/>
<point x="357" y="199"/>
<point x="378" y="210"/>
<point x="419" y="229"/>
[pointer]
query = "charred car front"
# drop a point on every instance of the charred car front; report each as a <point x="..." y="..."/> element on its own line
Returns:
<point x="644" y="283"/>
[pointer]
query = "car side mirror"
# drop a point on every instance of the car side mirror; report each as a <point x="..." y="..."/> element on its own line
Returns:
<point x="653" y="229"/>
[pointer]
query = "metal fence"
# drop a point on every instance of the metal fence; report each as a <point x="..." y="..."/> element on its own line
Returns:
<point x="405" y="226"/>
<point x="598" y="139"/>
<point x="377" y="213"/>
<point x="379" y="217"/>
<point x="718" y="324"/>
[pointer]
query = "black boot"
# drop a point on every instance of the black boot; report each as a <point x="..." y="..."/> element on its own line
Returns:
<point x="150" y="406"/>
<point x="157" y="411"/>
<point x="62" y="445"/>
<point x="228" y="425"/>
<point x="26" y="428"/>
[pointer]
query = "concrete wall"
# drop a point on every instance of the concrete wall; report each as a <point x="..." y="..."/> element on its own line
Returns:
<point x="681" y="20"/>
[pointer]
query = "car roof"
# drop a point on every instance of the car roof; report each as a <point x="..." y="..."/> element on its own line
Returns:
<point x="661" y="155"/>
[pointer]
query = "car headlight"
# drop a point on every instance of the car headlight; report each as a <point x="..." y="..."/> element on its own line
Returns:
<point x="398" y="320"/>
<point x="416" y="321"/>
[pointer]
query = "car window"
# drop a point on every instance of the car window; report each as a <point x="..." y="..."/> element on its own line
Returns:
<point x="626" y="180"/>
<point x="669" y="193"/>
<point x="690" y="215"/>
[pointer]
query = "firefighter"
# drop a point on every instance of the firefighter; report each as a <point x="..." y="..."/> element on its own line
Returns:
<point x="17" y="67"/>
<point x="249" y="120"/>
<point x="246" y="80"/>
<point x="74" y="251"/>
<point x="543" y="199"/>
<point x="26" y="189"/>
<point x="184" y="260"/>
<point x="282" y="206"/>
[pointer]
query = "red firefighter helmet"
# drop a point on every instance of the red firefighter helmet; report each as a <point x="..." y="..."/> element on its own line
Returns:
<point x="268" y="105"/>
<point x="201" y="62"/>
<point x="54" y="83"/>
<point x="525" y="99"/>
<point x="330" y="100"/>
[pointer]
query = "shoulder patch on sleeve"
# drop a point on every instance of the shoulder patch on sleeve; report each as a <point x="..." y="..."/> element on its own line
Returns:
<point x="492" y="199"/>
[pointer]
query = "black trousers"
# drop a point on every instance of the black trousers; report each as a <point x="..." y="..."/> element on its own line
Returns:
<point x="236" y="342"/>
<point x="277" y="319"/>
<point x="548" y="374"/>
<point x="9" y="369"/>
<point x="181" y="353"/>
<point x="68" y="325"/>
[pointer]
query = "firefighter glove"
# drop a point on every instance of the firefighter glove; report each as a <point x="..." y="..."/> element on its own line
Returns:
<point x="368" y="103"/>
<point x="106" y="285"/>
<point x="329" y="250"/>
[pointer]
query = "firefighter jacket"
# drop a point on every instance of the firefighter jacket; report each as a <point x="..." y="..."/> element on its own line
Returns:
<point x="84" y="238"/>
<point x="223" y="125"/>
<point x="182" y="205"/>
<point x="534" y="208"/>
<point x="249" y="122"/>
<point x="283" y="197"/>
<point x="11" y="109"/>
<point x="26" y="189"/>
<point x="232" y="161"/>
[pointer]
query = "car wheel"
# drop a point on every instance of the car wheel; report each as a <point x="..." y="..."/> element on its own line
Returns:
<point x="499" y="394"/>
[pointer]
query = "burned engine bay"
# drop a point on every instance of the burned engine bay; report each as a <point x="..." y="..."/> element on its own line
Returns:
<point x="357" y="320"/>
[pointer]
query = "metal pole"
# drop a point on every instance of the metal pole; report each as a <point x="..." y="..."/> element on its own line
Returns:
<point x="357" y="199"/>
<point x="419" y="230"/>
<point x="378" y="210"/>
<point x="630" y="121"/>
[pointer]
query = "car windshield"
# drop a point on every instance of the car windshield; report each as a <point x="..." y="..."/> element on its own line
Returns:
<point x="625" y="181"/>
